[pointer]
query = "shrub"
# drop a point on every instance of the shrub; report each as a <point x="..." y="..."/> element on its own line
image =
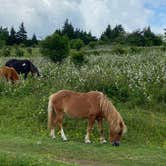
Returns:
<point x="56" y="47"/>
<point x="92" y="44"/>
<point x="19" y="52"/>
<point x="29" y="50"/>
<point x="78" y="57"/>
<point x="6" y="51"/>
<point x="76" y="44"/>
<point x="134" y="50"/>
<point x="119" y="50"/>
<point x="2" y="43"/>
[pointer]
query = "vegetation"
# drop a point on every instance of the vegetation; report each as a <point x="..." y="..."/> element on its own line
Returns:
<point x="113" y="36"/>
<point x="56" y="47"/>
<point x="134" y="82"/>
<point x="128" y="67"/>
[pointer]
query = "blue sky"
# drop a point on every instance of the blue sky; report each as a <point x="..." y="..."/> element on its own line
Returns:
<point x="42" y="17"/>
<point x="159" y="14"/>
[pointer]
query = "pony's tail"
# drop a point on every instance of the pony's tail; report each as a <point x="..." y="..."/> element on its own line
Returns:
<point x="51" y="114"/>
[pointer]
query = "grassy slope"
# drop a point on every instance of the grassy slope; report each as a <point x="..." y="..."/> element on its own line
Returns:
<point x="23" y="140"/>
<point x="24" y="136"/>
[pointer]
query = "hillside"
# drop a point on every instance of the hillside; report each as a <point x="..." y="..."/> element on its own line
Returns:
<point x="134" y="82"/>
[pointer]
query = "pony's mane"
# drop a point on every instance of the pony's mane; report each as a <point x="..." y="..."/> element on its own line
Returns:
<point x="112" y="115"/>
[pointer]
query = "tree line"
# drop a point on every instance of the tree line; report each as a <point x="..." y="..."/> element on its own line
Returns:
<point x="118" y="35"/>
<point x="13" y="37"/>
<point x="115" y="35"/>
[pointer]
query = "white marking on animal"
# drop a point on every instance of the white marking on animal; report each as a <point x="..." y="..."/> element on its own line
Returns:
<point x="63" y="135"/>
<point x="87" y="141"/>
<point x="24" y="64"/>
<point x="52" y="134"/>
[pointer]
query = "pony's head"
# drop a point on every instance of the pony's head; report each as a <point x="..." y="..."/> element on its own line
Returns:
<point x="116" y="133"/>
<point x="34" y="69"/>
<point x="116" y="123"/>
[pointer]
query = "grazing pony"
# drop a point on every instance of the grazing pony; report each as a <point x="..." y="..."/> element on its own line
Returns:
<point x="23" y="66"/>
<point x="9" y="73"/>
<point x="93" y="106"/>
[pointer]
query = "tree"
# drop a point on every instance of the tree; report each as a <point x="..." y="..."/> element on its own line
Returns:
<point x="76" y="44"/>
<point x="135" y="38"/>
<point x="106" y="36"/>
<point x="4" y="36"/>
<point x="117" y="34"/>
<point x="12" y="37"/>
<point x="150" y="38"/>
<point x="56" y="47"/>
<point x="72" y="33"/>
<point x="68" y="29"/>
<point x="34" y="40"/>
<point x="21" y="35"/>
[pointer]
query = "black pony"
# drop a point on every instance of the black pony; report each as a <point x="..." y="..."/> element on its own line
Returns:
<point x="23" y="66"/>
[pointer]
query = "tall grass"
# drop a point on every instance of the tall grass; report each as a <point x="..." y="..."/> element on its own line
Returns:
<point x="130" y="80"/>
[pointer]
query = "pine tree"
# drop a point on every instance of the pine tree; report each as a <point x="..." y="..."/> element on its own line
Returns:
<point x="34" y="40"/>
<point x="106" y="35"/>
<point x="68" y="29"/>
<point x="4" y="35"/>
<point x="12" y="37"/>
<point x="150" y="38"/>
<point x="21" y="35"/>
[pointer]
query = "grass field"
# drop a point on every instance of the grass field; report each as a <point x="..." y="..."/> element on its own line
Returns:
<point x="134" y="83"/>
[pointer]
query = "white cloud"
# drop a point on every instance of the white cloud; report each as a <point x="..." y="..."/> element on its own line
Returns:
<point x="42" y="17"/>
<point x="98" y="14"/>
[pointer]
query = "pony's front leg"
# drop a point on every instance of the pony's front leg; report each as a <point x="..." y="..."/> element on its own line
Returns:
<point x="52" y="134"/>
<point x="63" y="135"/>
<point x="91" y="121"/>
<point x="100" y="125"/>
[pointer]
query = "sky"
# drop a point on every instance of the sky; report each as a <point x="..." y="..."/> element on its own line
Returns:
<point x="43" y="17"/>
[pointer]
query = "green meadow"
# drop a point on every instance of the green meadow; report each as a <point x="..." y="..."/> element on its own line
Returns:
<point x="134" y="82"/>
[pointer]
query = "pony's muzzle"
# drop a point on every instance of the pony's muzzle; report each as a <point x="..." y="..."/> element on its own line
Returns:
<point x="116" y="143"/>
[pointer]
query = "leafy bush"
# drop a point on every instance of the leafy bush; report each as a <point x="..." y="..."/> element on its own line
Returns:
<point x="2" y="43"/>
<point x="76" y="44"/>
<point x="6" y="51"/>
<point x="56" y="47"/>
<point x="119" y="50"/>
<point x="135" y="50"/>
<point x="92" y="44"/>
<point x="19" y="52"/>
<point x="29" y="50"/>
<point x="78" y="57"/>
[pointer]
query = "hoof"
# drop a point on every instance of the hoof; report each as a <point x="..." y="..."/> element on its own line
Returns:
<point x="87" y="141"/>
<point x="65" y="139"/>
<point x="53" y="137"/>
<point x="103" y="141"/>
<point x="115" y="144"/>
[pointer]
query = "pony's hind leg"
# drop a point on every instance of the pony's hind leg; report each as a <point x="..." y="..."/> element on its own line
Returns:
<point x="52" y="119"/>
<point x="52" y="133"/>
<point x="100" y="125"/>
<point x="91" y="121"/>
<point x="60" y="121"/>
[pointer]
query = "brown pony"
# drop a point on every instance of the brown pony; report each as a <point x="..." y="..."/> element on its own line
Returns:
<point x="93" y="106"/>
<point x="9" y="73"/>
